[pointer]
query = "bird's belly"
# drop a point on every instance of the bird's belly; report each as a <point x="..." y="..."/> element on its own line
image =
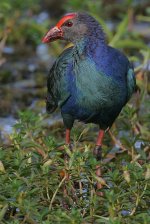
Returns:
<point x="75" y="110"/>
<point x="103" y="114"/>
<point x="94" y="98"/>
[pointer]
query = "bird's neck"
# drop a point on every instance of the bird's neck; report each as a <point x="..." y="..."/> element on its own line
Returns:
<point x="79" y="46"/>
<point x="89" y="45"/>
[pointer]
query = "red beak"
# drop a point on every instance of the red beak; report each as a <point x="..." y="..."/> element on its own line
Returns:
<point x="53" y="34"/>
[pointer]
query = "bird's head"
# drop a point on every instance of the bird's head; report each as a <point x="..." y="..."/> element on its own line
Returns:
<point x="72" y="27"/>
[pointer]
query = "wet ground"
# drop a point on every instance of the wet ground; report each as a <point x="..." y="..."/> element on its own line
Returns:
<point x="23" y="83"/>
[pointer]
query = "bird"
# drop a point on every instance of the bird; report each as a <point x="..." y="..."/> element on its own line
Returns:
<point x="90" y="81"/>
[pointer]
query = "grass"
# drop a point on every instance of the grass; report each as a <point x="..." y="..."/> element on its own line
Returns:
<point x="34" y="182"/>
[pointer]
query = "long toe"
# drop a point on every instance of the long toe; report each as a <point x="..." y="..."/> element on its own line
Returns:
<point x="97" y="152"/>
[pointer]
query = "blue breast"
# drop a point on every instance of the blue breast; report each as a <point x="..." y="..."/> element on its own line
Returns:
<point x="97" y="86"/>
<point x="111" y="62"/>
<point x="71" y="106"/>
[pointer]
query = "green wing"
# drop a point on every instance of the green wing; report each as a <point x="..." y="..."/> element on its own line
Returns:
<point x="57" y="89"/>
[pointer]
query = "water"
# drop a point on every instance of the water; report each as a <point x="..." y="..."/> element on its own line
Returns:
<point x="6" y="128"/>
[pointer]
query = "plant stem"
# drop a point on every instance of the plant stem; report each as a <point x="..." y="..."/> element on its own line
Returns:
<point x="54" y="195"/>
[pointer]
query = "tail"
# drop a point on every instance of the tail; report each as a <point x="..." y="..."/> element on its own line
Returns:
<point x="51" y="105"/>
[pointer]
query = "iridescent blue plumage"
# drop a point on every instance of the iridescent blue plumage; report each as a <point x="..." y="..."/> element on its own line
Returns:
<point x="91" y="81"/>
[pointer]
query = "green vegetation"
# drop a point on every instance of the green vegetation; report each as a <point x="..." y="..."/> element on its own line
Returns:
<point x="34" y="175"/>
<point x="34" y="183"/>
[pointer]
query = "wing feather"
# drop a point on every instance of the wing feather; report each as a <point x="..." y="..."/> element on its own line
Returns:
<point x="57" y="94"/>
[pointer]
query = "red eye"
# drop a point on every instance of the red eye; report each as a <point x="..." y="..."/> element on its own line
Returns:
<point x="69" y="24"/>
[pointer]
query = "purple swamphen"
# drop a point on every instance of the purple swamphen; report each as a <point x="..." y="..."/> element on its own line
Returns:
<point x="89" y="81"/>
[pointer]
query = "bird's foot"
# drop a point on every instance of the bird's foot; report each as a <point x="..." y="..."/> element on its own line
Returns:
<point x="70" y="146"/>
<point x="97" y="152"/>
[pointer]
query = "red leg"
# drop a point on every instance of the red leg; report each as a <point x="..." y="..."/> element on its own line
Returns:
<point x="67" y="141"/>
<point x="97" y="150"/>
<point x="100" y="138"/>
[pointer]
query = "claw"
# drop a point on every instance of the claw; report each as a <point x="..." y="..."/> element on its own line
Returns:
<point x="97" y="152"/>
